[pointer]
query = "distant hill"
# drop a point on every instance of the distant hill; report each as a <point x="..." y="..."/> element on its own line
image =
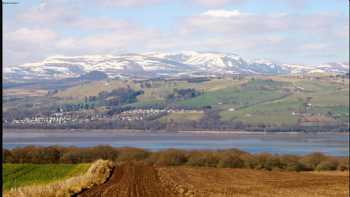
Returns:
<point x="94" y="76"/>
<point x="154" y="65"/>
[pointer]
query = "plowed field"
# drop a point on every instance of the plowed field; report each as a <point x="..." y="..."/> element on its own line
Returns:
<point x="130" y="180"/>
<point x="137" y="180"/>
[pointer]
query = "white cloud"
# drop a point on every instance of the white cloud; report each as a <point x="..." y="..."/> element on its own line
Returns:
<point x="217" y="3"/>
<point x="315" y="46"/>
<point x="138" y="3"/>
<point x="206" y="3"/>
<point x="55" y="27"/>
<point x="221" y="13"/>
<point x="233" y="21"/>
<point x="40" y="43"/>
<point x="30" y="36"/>
<point x="26" y="45"/>
<point x="127" y="3"/>
<point x="283" y="36"/>
<point x="67" y="44"/>
<point x="50" y="12"/>
<point x="102" y="23"/>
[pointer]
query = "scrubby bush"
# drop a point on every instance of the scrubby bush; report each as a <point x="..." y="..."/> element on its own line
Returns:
<point x="343" y="164"/>
<point x="230" y="161"/>
<point x="170" y="157"/>
<point x="272" y="162"/>
<point x="78" y="155"/>
<point x="7" y="156"/>
<point x="261" y="160"/>
<point x="207" y="159"/>
<point x="297" y="167"/>
<point x="250" y="161"/>
<point x="23" y="155"/>
<point x="73" y="157"/>
<point x="327" y="165"/>
<point x="47" y="155"/>
<point x="104" y="152"/>
<point x="132" y="154"/>
<point x="291" y="163"/>
<point x="35" y="154"/>
<point x="312" y="160"/>
<point x="231" y="158"/>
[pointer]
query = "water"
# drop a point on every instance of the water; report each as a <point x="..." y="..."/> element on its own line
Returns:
<point x="280" y="143"/>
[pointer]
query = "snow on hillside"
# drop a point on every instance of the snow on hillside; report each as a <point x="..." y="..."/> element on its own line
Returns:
<point x="153" y="64"/>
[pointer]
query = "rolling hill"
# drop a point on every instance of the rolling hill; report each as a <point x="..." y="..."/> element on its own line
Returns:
<point x="259" y="101"/>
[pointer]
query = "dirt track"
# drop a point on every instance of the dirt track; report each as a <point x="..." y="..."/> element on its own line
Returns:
<point x="130" y="180"/>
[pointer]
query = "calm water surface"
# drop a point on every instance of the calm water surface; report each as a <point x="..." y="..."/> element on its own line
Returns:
<point x="281" y="143"/>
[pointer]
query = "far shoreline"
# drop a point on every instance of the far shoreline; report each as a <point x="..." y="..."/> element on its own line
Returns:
<point x="194" y="132"/>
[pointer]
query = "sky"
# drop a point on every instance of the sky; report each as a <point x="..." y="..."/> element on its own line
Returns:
<point x="285" y="31"/>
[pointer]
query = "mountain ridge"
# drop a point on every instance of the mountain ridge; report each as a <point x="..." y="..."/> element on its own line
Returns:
<point x="155" y="64"/>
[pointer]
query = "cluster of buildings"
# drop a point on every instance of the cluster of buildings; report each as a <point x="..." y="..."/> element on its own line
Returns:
<point x="58" y="119"/>
<point x="81" y="117"/>
<point x="141" y="114"/>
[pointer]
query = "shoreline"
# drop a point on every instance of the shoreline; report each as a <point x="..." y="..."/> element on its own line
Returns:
<point x="194" y="132"/>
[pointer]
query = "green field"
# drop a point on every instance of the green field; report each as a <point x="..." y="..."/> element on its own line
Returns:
<point x="268" y="100"/>
<point x="156" y="91"/>
<point x="278" y="112"/>
<point x="181" y="117"/>
<point x="330" y="100"/>
<point x="248" y="94"/>
<point x="16" y="175"/>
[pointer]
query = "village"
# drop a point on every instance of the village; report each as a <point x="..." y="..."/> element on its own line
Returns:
<point x="61" y="118"/>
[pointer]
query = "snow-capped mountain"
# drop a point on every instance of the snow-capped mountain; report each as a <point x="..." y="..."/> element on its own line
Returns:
<point x="58" y="67"/>
<point x="221" y="63"/>
<point x="153" y="64"/>
<point x="336" y="68"/>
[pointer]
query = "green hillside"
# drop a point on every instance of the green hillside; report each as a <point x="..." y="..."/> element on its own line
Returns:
<point x="278" y="101"/>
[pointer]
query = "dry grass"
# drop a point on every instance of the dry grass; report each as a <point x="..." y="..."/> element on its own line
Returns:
<point x="182" y="116"/>
<point x="97" y="174"/>
<point x="24" y="92"/>
<point x="93" y="88"/>
<point x="207" y="182"/>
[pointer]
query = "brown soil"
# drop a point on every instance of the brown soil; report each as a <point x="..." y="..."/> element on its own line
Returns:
<point x="139" y="180"/>
<point x="207" y="182"/>
<point x="130" y="180"/>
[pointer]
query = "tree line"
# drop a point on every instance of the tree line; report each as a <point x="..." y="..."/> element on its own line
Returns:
<point x="230" y="158"/>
